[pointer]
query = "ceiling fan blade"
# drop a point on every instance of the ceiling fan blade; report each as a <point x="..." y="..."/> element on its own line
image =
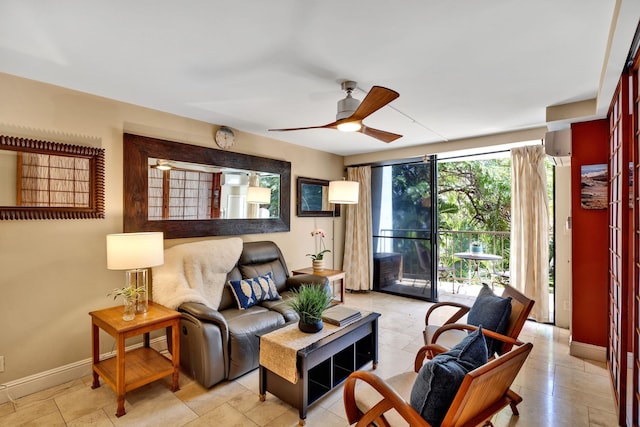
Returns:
<point x="377" y="98"/>
<point x="327" y="126"/>
<point x="380" y="134"/>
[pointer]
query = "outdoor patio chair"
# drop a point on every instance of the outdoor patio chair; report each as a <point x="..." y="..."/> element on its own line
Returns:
<point x="483" y="392"/>
<point x="505" y="314"/>
<point x="459" y="276"/>
<point x="499" y="277"/>
<point x="424" y="261"/>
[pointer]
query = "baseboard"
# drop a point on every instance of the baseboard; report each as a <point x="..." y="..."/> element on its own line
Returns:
<point x="63" y="374"/>
<point x="587" y="351"/>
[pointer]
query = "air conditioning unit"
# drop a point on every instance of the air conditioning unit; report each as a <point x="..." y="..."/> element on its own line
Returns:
<point x="557" y="144"/>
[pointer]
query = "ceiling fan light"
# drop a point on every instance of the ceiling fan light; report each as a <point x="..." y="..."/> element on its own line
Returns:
<point x="349" y="126"/>
<point x="163" y="165"/>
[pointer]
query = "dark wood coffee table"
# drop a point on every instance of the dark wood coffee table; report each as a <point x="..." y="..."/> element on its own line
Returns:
<point x="325" y="364"/>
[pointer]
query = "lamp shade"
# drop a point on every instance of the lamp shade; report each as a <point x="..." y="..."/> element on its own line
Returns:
<point x="128" y="251"/>
<point x="344" y="192"/>
<point x="258" y="195"/>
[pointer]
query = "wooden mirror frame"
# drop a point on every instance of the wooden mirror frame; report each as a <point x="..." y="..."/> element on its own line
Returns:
<point x="95" y="210"/>
<point x="137" y="151"/>
<point x="308" y="213"/>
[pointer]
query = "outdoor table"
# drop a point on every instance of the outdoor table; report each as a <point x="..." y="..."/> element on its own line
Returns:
<point x="475" y="259"/>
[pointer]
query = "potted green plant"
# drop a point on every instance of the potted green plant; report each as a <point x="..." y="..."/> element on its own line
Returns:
<point x="129" y="296"/>
<point x="309" y="302"/>
<point x="476" y="247"/>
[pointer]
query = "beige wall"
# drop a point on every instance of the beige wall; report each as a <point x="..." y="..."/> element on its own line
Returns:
<point x="54" y="271"/>
<point x="563" y="247"/>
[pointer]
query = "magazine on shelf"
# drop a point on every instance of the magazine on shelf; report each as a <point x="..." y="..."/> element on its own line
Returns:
<point x="340" y="315"/>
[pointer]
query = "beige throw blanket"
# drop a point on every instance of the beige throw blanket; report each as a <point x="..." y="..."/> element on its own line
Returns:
<point x="195" y="272"/>
<point x="279" y="349"/>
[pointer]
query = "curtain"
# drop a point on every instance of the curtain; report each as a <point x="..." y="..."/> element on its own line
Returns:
<point x="358" y="252"/>
<point x="529" y="266"/>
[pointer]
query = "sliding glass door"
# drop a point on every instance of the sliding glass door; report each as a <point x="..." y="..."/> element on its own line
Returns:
<point x="404" y="228"/>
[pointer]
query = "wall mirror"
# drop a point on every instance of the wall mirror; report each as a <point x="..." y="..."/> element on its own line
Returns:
<point x="312" y="198"/>
<point x="50" y="180"/>
<point x="191" y="191"/>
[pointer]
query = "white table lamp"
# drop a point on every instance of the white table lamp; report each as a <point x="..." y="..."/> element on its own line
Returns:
<point x="136" y="252"/>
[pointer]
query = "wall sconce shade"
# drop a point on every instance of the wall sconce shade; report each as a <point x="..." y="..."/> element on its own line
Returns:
<point x="127" y="251"/>
<point x="258" y="195"/>
<point x="344" y="192"/>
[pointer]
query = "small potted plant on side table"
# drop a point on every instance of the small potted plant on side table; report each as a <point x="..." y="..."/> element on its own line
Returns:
<point x="309" y="302"/>
<point x="129" y="296"/>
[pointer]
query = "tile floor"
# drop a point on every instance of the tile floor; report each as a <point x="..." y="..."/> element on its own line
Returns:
<point x="558" y="389"/>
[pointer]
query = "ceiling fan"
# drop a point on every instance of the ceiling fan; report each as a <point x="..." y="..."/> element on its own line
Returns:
<point x="351" y="112"/>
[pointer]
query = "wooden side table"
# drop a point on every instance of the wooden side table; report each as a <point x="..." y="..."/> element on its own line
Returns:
<point x="142" y="365"/>
<point x="332" y="275"/>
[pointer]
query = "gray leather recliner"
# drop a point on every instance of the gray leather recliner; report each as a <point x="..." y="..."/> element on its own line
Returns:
<point x="223" y="344"/>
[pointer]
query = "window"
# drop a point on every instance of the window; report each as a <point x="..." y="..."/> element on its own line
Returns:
<point x="186" y="194"/>
<point x="50" y="180"/>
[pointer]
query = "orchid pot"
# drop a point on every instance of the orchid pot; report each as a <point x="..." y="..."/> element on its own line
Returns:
<point x="318" y="265"/>
<point x="317" y="258"/>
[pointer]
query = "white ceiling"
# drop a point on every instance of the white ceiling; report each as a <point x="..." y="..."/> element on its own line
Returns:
<point x="463" y="68"/>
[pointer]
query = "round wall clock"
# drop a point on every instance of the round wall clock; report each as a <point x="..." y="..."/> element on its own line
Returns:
<point x="225" y="138"/>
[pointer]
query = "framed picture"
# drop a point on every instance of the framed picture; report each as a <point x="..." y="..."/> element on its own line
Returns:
<point x="593" y="186"/>
<point x="313" y="198"/>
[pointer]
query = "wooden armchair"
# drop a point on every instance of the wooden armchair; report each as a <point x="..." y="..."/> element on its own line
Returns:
<point x="483" y="392"/>
<point x="449" y="333"/>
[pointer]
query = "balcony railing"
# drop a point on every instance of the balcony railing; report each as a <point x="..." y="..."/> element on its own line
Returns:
<point x="493" y="242"/>
<point x="451" y="268"/>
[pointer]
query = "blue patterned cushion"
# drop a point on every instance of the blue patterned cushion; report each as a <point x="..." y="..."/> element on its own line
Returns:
<point x="439" y="379"/>
<point x="492" y="312"/>
<point x="250" y="292"/>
